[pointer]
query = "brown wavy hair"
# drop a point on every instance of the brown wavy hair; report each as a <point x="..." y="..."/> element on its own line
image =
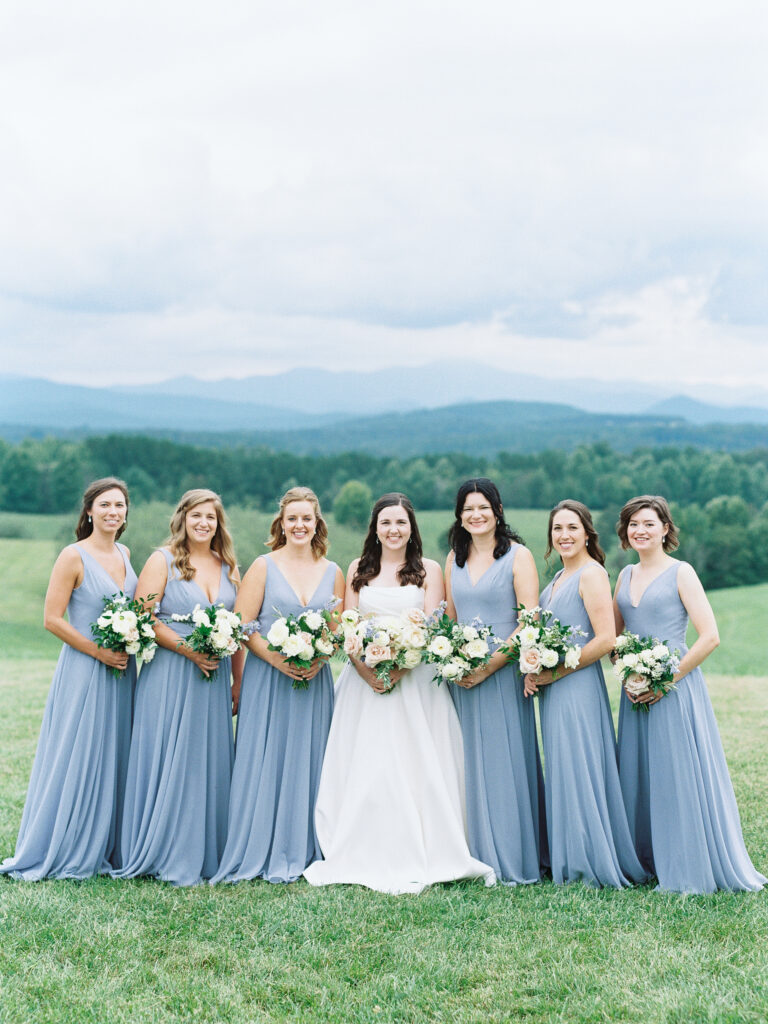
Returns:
<point x="222" y="539"/>
<point x="660" y="507"/>
<point x="84" y="528"/>
<point x="277" y="533"/>
<point x="581" y="510"/>
<point x="369" y="566"/>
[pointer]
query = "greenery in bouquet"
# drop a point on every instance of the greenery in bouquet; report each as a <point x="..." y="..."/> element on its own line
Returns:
<point x="302" y="639"/>
<point x="645" y="664"/>
<point x="543" y="642"/>
<point x="218" y="632"/>
<point x="456" y="648"/>
<point x="385" y="642"/>
<point x="125" y="626"/>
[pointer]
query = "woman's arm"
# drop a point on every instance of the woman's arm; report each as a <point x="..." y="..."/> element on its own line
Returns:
<point x="434" y="586"/>
<point x="450" y="607"/>
<point x="66" y="576"/>
<point x="618" y="618"/>
<point x="702" y="617"/>
<point x="595" y="592"/>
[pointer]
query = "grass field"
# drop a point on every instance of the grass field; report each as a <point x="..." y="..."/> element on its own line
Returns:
<point x="143" y="952"/>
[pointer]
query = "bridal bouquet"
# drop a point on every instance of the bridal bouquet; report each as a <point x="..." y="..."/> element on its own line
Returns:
<point x="301" y="639"/>
<point x="385" y="642"/>
<point x="645" y="665"/>
<point x="125" y="626"/>
<point x="456" y="649"/>
<point x="542" y="642"/>
<point x="217" y="633"/>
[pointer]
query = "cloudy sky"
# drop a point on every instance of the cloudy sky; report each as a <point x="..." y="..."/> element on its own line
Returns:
<point x="573" y="189"/>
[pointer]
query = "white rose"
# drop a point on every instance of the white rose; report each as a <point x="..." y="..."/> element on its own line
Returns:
<point x="104" y="620"/>
<point x="476" y="648"/>
<point x="660" y="652"/>
<point x="123" y="622"/>
<point x="451" y="671"/>
<point x="223" y="626"/>
<point x="635" y="684"/>
<point x="293" y="647"/>
<point x="463" y="666"/>
<point x="132" y="647"/>
<point x="440" y="646"/>
<point x="232" y="646"/>
<point x="411" y="658"/>
<point x="572" y="657"/>
<point x="528" y="636"/>
<point x="308" y="651"/>
<point x="199" y="617"/>
<point x="414" y="636"/>
<point x="314" y="621"/>
<point x="622" y="642"/>
<point x="415" y="615"/>
<point x="232" y="618"/>
<point x="278" y="633"/>
<point x="376" y="653"/>
<point x="469" y="633"/>
<point x="149" y="653"/>
<point x="146" y="629"/>
<point x="630" y="660"/>
<point x="350" y="617"/>
<point x="219" y="640"/>
<point x="352" y="645"/>
<point x="530" y="660"/>
<point x="549" y="658"/>
<point x="324" y="646"/>
<point x="646" y="656"/>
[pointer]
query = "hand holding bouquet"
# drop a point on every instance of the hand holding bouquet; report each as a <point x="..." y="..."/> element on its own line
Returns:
<point x="385" y="643"/>
<point x="456" y="649"/>
<point x="644" y="665"/>
<point x="542" y="642"/>
<point x="302" y="640"/>
<point x="126" y="627"/>
<point x="218" y="633"/>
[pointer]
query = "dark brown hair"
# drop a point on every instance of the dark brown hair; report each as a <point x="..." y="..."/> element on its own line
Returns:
<point x="581" y="510"/>
<point x="369" y="566"/>
<point x="84" y="526"/>
<point x="277" y="533"/>
<point x="460" y="539"/>
<point x="660" y="507"/>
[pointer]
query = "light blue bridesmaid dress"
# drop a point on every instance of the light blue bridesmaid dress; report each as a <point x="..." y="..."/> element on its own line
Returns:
<point x="680" y="802"/>
<point x="505" y="790"/>
<point x="179" y="771"/>
<point x="281" y="738"/>
<point x="589" y="838"/>
<point x="70" y="827"/>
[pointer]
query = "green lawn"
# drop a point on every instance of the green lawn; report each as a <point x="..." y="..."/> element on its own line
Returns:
<point x="140" y="951"/>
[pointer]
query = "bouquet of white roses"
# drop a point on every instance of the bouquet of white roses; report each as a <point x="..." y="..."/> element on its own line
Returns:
<point x="542" y="642"/>
<point x="385" y="642"/>
<point x="456" y="649"/>
<point x="644" y="665"/>
<point x="217" y="633"/>
<point x="303" y="638"/>
<point x="125" y="626"/>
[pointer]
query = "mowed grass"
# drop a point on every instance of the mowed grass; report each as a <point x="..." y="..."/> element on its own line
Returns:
<point x="142" y="951"/>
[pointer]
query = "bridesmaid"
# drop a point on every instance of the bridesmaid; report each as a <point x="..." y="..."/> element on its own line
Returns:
<point x="180" y="764"/>
<point x="71" y="822"/>
<point x="589" y="838"/>
<point x="679" y="798"/>
<point x="489" y="573"/>
<point x="281" y="731"/>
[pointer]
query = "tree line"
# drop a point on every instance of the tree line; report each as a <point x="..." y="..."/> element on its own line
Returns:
<point x="721" y="498"/>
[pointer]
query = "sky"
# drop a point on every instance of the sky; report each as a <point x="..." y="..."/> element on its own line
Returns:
<point x="578" y="190"/>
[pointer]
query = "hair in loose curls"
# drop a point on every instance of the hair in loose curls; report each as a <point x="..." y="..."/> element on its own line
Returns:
<point x="222" y="540"/>
<point x="277" y="533"/>
<point x="84" y="526"/>
<point x="659" y="505"/>
<point x="460" y="539"/>
<point x="369" y="566"/>
<point x="581" y="510"/>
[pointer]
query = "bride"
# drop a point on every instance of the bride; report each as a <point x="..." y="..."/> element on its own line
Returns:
<point x="390" y="810"/>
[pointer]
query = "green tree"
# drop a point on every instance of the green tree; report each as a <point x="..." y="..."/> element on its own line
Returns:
<point x="352" y="506"/>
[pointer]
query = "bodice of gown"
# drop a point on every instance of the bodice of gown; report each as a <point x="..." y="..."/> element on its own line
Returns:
<point x="660" y="612"/>
<point x="566" y="604"/>
<point x="87" y="601"/>
<point x="390" y="600"/>
<point x="181" y="596"/>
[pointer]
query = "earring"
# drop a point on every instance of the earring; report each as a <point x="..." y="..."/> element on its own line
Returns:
<point x="89" y="519"/>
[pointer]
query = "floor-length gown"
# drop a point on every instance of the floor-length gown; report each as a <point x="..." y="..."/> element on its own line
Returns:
<point x="505" y="789"/>
<point x="390" y="810"/>
<point x="281" y="737"/>
<point x="70" y="827"/>
<point x="680" y="802"/>
<point x="589" y="838"/>
<point x="177" y="793"/>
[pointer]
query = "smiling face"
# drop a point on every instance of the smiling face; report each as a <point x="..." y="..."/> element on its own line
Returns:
<point x="201" y="522"/>
<point x="645" y="530"/>
<point x="299" y="522"/>
<point x="109" y="510"/>
<point x="477" y="516"/>
<point x="393" y="528"/>
<point x="568" y="538"/>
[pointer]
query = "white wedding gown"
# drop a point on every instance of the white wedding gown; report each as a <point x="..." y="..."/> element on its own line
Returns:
<point x="390" y="811"/>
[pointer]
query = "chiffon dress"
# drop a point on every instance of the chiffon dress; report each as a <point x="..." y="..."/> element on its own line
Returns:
<point x="70" y="827"/>
<point x="589" y="838"/>
<point x="505" y="790"/>
<point x="281" y="737"/>
<point x="680" y="802"/>
<point x="390" y="810"/>
<point x="182" y="749"/>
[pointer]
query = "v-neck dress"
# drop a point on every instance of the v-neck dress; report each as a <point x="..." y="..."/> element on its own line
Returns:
<point x="180" y="766"/>
<point x="589" y="838"/>
<point x="505" y="788"/>
<point x="678" y="793"/>
<point x="70" y="827"/>
<point x="281" y="738"/>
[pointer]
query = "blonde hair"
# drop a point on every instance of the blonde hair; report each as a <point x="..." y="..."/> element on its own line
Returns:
<point x="277" y="533"/>
<point x="222" y="540"/>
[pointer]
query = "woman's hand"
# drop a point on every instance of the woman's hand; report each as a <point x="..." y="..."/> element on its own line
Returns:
<point x="112" y="659"/>
<point x="236" y="684"/>
<point x="649" y="697"/>
<point x="205" y="662"/>
<point x="532" y="682"/>
<point x="479" y="675"/>
<point x="295" y="672"/>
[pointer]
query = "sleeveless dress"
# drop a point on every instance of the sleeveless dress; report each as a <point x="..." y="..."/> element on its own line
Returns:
<point x="390" y="811"/>
<point x="177" y="793"/>
<point x="589" y="838"/>
<point x="680" y="802"/>
<point x="281" y="737"/>
<point x="70" y="827"/>
<point x="505" y="790"/>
